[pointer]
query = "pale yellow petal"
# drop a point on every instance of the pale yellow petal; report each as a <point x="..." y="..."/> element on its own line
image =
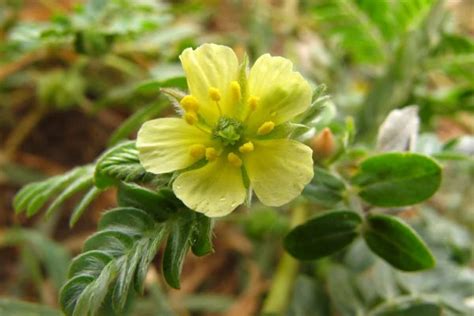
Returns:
<point x="278" y="170"/>
<point x="165" y="144"/>
<point x="215" y="189"/>
<point x="281" y="92"/>
<point x="211" y="66"/>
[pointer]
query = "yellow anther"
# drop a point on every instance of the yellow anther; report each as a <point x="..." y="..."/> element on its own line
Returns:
<point x="198" y="151"/>
<point x="253" y="102"/>
<point x="235" y="88"/>
<point x="266" y="128"/>
<point x="189" y="103"/>
<point x="190" y="117"/>
<point x="211" y="153"/>
<point x="234" y="160"/>
<point x="214" y="94"/>
<point x="246" y="148"/>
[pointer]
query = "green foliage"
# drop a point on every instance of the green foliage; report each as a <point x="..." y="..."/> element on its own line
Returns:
<point x="43" y="252"/>
<point x="177" y="246"/>
<point x="264" y="223"/>
<point x="323" y="235"/>
<point x="10" y="307"/>
<point x="81" y="207"/>
<point x="397" y="243"/>
<point x="119" y="163"/>
<point x="61" y="89"/>
<point x="397" y="179"/>
<point x="125" y="53"/>
<point x="409" y="308"/>
<point x="135" y="121"/>
<point x="325" y="189"/>
<point x="202" y="235"/>
<point x="455" y="56"/>
<point x="115" y="259"/>
<point x="94" y="28"/>
<point x="366" y="28"/>
<point x="133" y="195"/>
<point x="34" y="196"/>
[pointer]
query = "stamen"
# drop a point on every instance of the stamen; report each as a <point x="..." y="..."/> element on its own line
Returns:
<point x="211" y="153"/>
<point x="198" y="151"/>
<point x="246" y="148"/>
<point x="234" y="160"/>
<point x="253" y="102"/>
<point x="266" y="128"/>
<point x="235" y="89"/>
<point x="214" y="94"/>
<point x="189" y="103"/>
<point x="190" y="117"/>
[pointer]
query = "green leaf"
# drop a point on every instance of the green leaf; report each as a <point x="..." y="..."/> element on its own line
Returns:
<point x="202" y="235"/>
<point x="126" y="275"/>
<point x="323" y="235"/>
<point x="34" y="196"/>
<point x="12" y="307"/>
<point x="147" y="256"/>
<point x="397" y="179"/>
<point x="113" y="242"/>
<point x="88" y="198"/>
<point x="115" y="259"/>
<point x="397" y="243"/>
<point x="119" y="163"/>
<point x="71" y="292"/>
<point x="408" y="306"/>
<point x="179" y="241"/>
<point x="93" y="294"/>
<point x="128" y="219"/>
<point x="89" y="263"/>
<point x="160" y="204"/>
<point x="325" y="188"/>
<point x="78" y="185"/>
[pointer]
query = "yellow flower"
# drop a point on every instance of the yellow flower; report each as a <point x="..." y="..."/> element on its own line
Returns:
<point x="231" y="137"/>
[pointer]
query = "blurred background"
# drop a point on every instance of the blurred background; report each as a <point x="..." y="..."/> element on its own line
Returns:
<point x="79" y="76"/>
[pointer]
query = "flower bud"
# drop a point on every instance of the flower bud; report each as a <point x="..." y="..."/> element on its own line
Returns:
<point x="323" y="144"/>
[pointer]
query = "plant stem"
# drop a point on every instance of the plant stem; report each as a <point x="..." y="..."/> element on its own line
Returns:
<point x="282" y="285"/>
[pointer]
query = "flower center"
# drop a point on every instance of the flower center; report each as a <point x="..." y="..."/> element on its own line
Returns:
<point x="228" y="130"/>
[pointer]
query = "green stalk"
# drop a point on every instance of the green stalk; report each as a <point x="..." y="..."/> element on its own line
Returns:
<point x="279" y="295"/>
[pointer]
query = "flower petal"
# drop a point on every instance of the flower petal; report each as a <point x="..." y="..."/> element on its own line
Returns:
<point x="215" y="189"/>
<point x="282" y="92"/>
<point x="279" y="169"/>
<point x="211" y="65"/>
<point x="164" y="144"/>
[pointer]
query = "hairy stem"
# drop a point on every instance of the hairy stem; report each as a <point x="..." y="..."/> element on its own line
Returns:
<point x="279" y="295"/>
